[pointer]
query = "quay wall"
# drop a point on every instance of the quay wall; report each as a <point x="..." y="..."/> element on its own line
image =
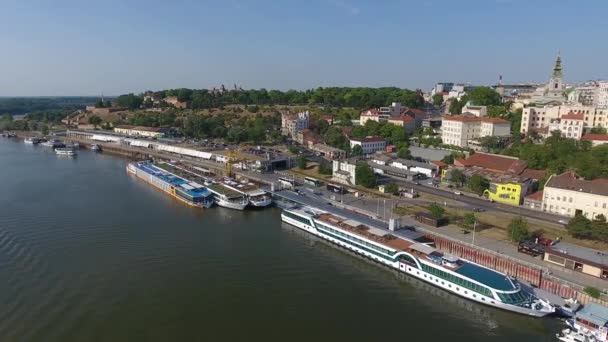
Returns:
<point x="519" y="269"/>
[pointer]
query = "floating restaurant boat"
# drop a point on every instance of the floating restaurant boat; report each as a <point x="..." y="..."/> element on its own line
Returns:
<point x="259" y="199"/>
<point x="31" y="141"/>
<point x="54" y="143"/>
<point x="420" y="260"/>
<point x="188" y="192"/>
<point x="64" y="151"/>
<point x="591" y="320"/>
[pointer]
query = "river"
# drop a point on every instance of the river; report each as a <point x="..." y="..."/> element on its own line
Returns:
<point x="89" y="253"/>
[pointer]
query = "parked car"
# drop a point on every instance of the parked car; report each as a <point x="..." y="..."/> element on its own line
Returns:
<point x="478" y="210"/>
<point x="563" y="221"/>
<point x="458" y="193"/>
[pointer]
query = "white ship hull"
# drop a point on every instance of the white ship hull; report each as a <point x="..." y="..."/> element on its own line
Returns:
<point x="63" y="152"/>
<point x="261" y="203"/>
<point x="420" y="274"/>
<point x="229" y="204"/>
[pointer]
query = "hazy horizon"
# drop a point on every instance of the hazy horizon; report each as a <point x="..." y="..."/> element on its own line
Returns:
<point x="70" y="48"/>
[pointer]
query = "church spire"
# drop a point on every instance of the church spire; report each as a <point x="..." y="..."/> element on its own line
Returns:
<point x="557" y="69"/>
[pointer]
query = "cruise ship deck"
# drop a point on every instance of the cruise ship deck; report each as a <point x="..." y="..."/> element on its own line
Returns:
<point x="486" y="276"/>
<point x="191" y="188"/>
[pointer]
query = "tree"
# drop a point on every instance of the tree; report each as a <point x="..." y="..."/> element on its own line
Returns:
<point x="437" y="99"/>
<point x="391" y="188"/>
<point x="99" y="104"/>
<point x="357" y="151"/>
<point x="489" y="142"/>
<point x="302" y="162"/>
<point x="518" y="229"/>
<point x="129" y="101"/>
<point x="404" y="152"/>
<point x="95" y="120"/>
<point x="478" y="184"/>
<point x="44" y="129"/>
<point x="325" y="167"/>
<point x="456" y="106"/>
<point x="321" y="127"/>
<point x="436" y="211"/>
<point x="484" y="96"/>
<point x="468" y="220"/>
<point x="457" y="177"/>
<point x="598" y="130"/>
<point x="364" y="175"/>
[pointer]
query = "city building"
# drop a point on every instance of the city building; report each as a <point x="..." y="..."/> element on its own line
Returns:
<point x="433" y="123"/>
<point x="328" y="152"/>
<point x="427" y="169"/>
<point x="590" y="93"/>
<point x="568" y="195"/>
<point x="553" y="91"/>
<point x="477" y="111"/>
<point x="292" y="123"/>
<point x="407" y="122"/>
<point x="344" y="172"/>
<point x="395" y="110"/>
<point x="580" y="259"/>
<point x="140" y="131"/>
<point x="544" y="118"/>
<point x="510" y="179"/>
<point x="368" y="144"/>
<point x="602" y="95"/>
<point x="428" y="154"/>
<point x="596" y="139"/>
<point x="571" y="125"/>
<point x="534" y="201"/>
<point x="460" y="130"/>
<point x="175" y="102"/>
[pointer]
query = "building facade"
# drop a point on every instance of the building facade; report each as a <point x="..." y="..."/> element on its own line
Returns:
<point x="140" y="131"/>
<point x="460" y="130"/>
<point x="407" y="122"/>
<point x="368" y="144"/>
<point x="568" y="195"/>
<point x="344" y="172"/>
<point x="292" y="123"/>
<point x="539" y="118"/>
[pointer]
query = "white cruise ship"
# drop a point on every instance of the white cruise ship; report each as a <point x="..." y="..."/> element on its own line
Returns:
<point x="458" y="276"/>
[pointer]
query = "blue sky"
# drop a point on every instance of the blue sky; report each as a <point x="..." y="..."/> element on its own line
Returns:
<point x="69" y="47"/>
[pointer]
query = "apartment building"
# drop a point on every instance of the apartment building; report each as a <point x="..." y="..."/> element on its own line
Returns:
<point x="568" y="195"/>
<point x="541" y="118"/>
<point x="369" y="144"/>
<point x="459" y="130"/>
<point x="292" y="123"/>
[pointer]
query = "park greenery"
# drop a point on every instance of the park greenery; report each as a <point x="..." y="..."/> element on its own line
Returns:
<point x="436" y="211"/>
<point x="478" y="184"/>
<point x="559" y="154"/>
<point x="302" y="162"/>
<point x="364" y="175"/>
<point x="517" y="230"/>
<point x="27" y="105"/>
<point x="581" y="227"/>
<point x="391" y="188"/>
<point x="325" y="167"/>
<point x="359" y="98"/>
<point x="468" y="221"/>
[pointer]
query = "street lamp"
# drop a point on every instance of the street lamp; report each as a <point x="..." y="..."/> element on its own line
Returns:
<point x="474" y="226"/>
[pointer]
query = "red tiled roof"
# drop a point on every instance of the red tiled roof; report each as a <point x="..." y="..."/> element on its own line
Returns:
<point x="494" y="120"/>
<point x="347" y="130"/>
<point x="534" y="174"/>
<point x="368" y="139"/>
<point x="402" y="118"/>
<point x="439" y="163"/>
<point x="497" y="163"/>
<point x="573" y="116"/>
<point x="474" y="119"/>
<point x="596" y="137"/>
<point x="570" y="181"/>
<point x="370" y="112"/>
<point x="460" y="162"/>
<point x="537" y="196"/>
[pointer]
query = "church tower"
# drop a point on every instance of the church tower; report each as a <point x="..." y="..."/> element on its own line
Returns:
<point x="556" y="84"/>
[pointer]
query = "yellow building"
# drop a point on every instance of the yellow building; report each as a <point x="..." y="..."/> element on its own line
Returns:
<point x="507" y="193"/>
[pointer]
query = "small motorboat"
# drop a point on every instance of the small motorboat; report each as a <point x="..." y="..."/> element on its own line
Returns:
<point x="95" y="148"/>
<point x="65" y="151"/>
<point x="568" y="335"/>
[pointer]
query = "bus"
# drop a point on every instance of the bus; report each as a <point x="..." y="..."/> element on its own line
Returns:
<point x="312" y="181"/>
<point x="287" y="182"/>
<point x="339" y="189"/>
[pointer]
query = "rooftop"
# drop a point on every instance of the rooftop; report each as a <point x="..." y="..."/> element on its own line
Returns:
<point x="594" y="313"/>
<point x="495" y="162"/>
<point x="537" y="196"/>
<point x="463" y="118"/>
<point x="578" y="253"/>
<point x="428" y="153"/>
<point x="368" y="139"/>
<point x="573" y="116"/>
<point x="570" y="181"/>
<point x="596" y="137"/>
<point x="402" y="118"/>
<point x="486" y="276"/>
<point x="139" y="128"/>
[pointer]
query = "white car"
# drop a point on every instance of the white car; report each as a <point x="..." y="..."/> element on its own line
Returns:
<point x="457" y="193"/>
<point x="563" y="221"/>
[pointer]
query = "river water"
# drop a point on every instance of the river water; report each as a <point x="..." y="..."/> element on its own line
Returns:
<point x="89" y="253"/>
